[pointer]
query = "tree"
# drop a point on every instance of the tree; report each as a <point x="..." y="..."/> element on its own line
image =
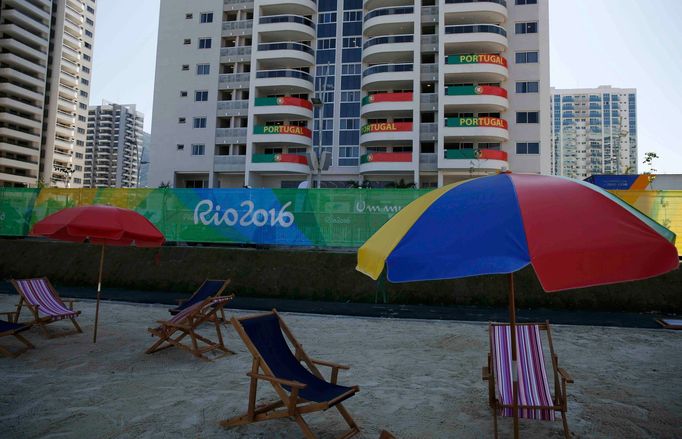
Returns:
<point x="649" y="158"/>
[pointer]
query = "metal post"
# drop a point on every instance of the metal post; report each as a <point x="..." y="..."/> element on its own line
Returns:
<point x="514" y="371"/>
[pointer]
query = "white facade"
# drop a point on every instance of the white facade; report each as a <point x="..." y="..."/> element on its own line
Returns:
<point x="114" y="143"/>
<point x="45" y="74"/>
<point x="411" y="92"/>
<point x="594" y="131"/>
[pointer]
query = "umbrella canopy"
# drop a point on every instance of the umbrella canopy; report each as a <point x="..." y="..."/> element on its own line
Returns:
<point x="103" y="225"/>
<point x="574" y="234"/>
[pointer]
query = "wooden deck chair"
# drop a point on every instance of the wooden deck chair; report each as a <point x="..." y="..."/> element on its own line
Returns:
<point x="185" y="323"/>
<point x="209" y="288"/>
<point x="300" y="389"/>
<point x="10" y="328"/>
<point x="44" y="302"/>
<point x="535" y="400"/>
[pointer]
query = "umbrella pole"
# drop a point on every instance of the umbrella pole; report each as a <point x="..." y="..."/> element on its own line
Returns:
<point x="99" y="288"/>
<point x="515" y="375"/>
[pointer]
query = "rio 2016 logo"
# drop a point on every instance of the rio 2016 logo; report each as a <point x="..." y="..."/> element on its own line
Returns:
<point x="209" y="214"/>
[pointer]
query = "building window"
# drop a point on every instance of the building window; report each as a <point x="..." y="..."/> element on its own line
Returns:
<point x="199" y="122"/>
<point x="85" y="69"/>
<point x="88" y="33"/>
<point x="90" y="22"/>
<point x="180" y="146"/>
<point x="527" y="87"/>
<point x="183" y="93"/>
<point x="78" y="168"/>
<point x="526" y="2"/>
<point x="79" y="155"/>
<point x="82" y="118"/>
<point x="206" y="17"/>
<point x="181" y="120"/>
<point x="77" y="180"/>
<point x="84" y="93"/>
<point x="198" y="149"/>
<point x="187" y="41"/>
<point x="86" y="57"/>
<point x="185" y="67"/>
<point x="204" y="43"/>
<point x="189" y="16"/>
<point x="530" y="27"/>
<point x="528" y="148"/>
<point x="80" y="143"/>
<point x="526" y="57"/>
<point x="91" y="9"/>
<point x="201" y="95"/>
<point x="81" y="130"/>
<point x="88" y="45"/>
<point x="203" y="69"/>
<point x="84" y="81"/>
<point x="82" y="106"/>
<point x="527" y="116"/>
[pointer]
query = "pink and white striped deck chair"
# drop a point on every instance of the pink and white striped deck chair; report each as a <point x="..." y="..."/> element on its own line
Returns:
<point x="186" y="322"/>
<point x="535" y="400"/>
<point x="44" y="302"/>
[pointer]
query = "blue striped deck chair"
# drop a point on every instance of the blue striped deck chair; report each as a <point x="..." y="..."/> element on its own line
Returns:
<point x="209" y="288"/>
<point x="300" y="386"/>
<point x="10" y="328"/>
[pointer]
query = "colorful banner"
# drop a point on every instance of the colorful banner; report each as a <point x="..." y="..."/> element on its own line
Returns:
<point x="385" y="127"/>
<point x="390" y="157"/>
<point x="487" y="58"/>
<point x="282" y="129"/>
<point x="466" y="90"/>
<point x="479" y="154"/>
<point x="387" y="97"/>
<point x="465" y="122"/>
<point x="279" y="158"/>
<point x="286" y="100"/>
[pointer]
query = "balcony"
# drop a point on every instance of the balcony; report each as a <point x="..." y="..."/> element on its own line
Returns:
<point x="481" y="98"/>
<point x="475" y="68"/>
<point x="284" y="55"/>
<point x="233" y="108"/>
<point x="279" y="163"/>
<point x="237" y="28"/>
<point x="395" y="104"/>
<point x="280" y="7"/>
<point x="475" y="11"/>
<point x="466" y="160"/>
<point x="386" y="162"/>
<point x="287" y="81"/>
<point x="229" y="163"/>
<point x="235" y="54"/>
<point x="386" y="49"/>
<point x="388" y="76"/>
<point x="234" y="81"/>
<point x="386" y="132"/>
<point x="389" y="21"/>
<point x="283" y="105"/>
<point x="481" y="129"/>
<point x="286" y="27"/>
<point x="282" y="134"/>
<point x="475" y="38"/>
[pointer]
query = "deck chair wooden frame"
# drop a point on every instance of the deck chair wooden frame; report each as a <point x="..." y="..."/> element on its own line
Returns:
<point x="218" y="293"/>
<point x="15" y="332"/>
<point x="561" y="378"/>
<point x="184" y="324"/>
<point x="43" y="321"/>
<point x="290" y="404"/>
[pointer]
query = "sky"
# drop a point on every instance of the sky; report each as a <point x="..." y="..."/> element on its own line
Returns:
<point x="623" y="43"/>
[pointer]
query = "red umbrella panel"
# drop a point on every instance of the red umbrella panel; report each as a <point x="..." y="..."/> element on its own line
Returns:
<point x="101" y="225"/>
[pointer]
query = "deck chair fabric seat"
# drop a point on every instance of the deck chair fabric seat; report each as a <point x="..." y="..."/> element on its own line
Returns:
<point x="43" y="300"/>
<point x="209" y="288"/>
<point x="266" y="335"/>
<point x="12" y="327"/>
<point x="8" y="328"/>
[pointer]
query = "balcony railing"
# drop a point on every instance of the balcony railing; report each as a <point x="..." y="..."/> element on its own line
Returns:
<point x="476" y="122"/>
<point x="475" y="28"/>
<point x="390" y="11"/>
<point x="476" y="59"/>
<point x="238" y="25"/>
<point x="235" y="51"/>
<point x="284" y="74"/>
<point x="387" y="68"/>
<point x="285" y="100"/>
<point x="388" y="40"/>
<point x="283" y="129"/>
<point x="476" y="154"/>
<point x="387" y="97"/>
<point x="386" y="157"/>
<point x="386" y="127"/>
<point x="272" y="19"/>
<point x="467" y="90"/>
<point x="233" y="105"/>
<point x="499" y="2"/>
<point x="279" y="158"/>
<point x="286" y="46"/>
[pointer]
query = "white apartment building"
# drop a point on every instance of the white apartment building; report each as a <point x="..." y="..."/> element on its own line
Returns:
<point x="45" y="62"/>
<point x="594" y="131"/>
<point x="113" y="148"/>
<point x="251" y="92"/>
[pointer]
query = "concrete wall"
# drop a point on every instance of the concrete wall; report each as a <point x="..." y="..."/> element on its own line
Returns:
<point x="309" y="275"/>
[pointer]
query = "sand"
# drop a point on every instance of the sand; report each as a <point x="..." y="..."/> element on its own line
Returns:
<point x="418" y="379"/>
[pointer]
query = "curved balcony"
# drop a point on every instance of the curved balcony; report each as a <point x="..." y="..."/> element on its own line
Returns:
<point x="279" y="163"/>
<point x="475" y="38"/>
<point x="386" y="132"/>
<point x="476" y="159"/>
<point x="481" y="98"/>
<point x="280" y="7"/>
<point x="389" y="48"/>
<point x="395" y="104"/>
<point x="481" y="129"/>
<point x="282" y="134"/>
<point x="284" y="55"/>
<point x="283" y="105"/>
<point x="386" y="162"/>
<point x="287" y="81"/>
<point x="388" y="76"/>
<point x="475" y="11"/>
<point x="387" y="21"/>
<point x="286" y="27"/>
<point x="475" y="68"/>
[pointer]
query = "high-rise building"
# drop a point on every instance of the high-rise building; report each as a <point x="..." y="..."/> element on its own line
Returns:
<point x="431" y="92"/>
<point x="113" y="149"/>
<point x="45" y="65"/>
<point x="144" y="161"/>
<point x="594" y="131"/>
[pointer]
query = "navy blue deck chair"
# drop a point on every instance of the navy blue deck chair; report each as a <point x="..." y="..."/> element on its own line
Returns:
<point x="11" y="328"/>
<point x="300" y="389"/>
<point x="210" y="288"/>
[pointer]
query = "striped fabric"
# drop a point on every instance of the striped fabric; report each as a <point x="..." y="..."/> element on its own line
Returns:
<point x="532" y="376"/>
<point x="189" y="311"/>
<point x="37" y="292"/>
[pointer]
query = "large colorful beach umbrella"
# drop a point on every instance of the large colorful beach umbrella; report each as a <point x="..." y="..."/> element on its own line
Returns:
<point x="574" y="235"/>
<point x="100" y="225"/>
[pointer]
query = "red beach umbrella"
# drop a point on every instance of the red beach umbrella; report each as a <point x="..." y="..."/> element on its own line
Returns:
<point x="101" y="225"/>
